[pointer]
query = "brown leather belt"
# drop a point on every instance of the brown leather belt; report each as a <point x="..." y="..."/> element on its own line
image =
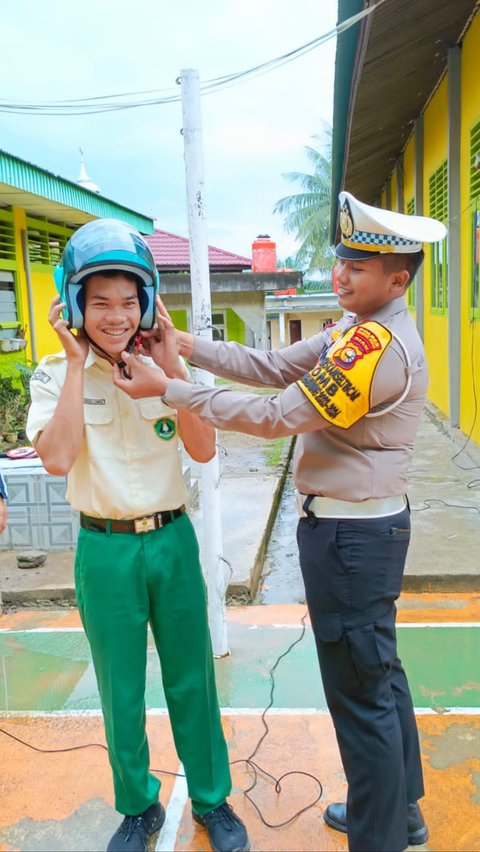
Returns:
<point x="136" y="525"/>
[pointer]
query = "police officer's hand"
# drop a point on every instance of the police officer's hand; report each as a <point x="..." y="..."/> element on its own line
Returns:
<point x="137" y="379"/>
<point x="3" y="515"/>
<point x="164" y="343"/>
<point x="75" y="346"/>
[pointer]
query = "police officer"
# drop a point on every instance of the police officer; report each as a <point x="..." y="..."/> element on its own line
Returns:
<point x="137" y="557"/>
<point x="354" y="393"/>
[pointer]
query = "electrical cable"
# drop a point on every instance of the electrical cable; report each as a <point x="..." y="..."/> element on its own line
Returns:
<point x="100" y="103"/>
<point x="251" y="764"/>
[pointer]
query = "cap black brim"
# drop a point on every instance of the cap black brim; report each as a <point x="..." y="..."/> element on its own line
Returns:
<point x="346" y="253"/>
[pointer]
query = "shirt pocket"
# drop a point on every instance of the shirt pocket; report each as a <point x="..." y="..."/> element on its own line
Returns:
<point x="159" y="423"/>
<point x="98" y="424"/>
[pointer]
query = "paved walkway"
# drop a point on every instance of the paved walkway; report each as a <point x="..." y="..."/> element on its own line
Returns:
<point x="62" y="800"/>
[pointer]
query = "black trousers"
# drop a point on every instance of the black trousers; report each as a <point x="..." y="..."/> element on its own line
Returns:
<point x="353" y="570"/>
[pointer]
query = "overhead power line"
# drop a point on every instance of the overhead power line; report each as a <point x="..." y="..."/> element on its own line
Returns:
<point x="109" y="103"/>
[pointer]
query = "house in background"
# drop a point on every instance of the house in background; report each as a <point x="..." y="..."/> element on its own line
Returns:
<point x="38" y="213"/>
<point x="238" y="294"/>
<point x="296" y="316"/>
<point x="406" y="136"/>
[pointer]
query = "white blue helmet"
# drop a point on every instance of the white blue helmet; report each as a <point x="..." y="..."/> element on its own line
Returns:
<point x="101" y="245"/>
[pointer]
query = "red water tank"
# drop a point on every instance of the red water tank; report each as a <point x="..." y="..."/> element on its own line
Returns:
<point x="264" y="254"/>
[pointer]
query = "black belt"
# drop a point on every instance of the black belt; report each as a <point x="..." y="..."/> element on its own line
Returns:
<point x="136" y="525"/>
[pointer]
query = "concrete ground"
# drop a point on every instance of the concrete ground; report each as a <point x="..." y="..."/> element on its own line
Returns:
<point x="54" y="798"/>
<point x="444" y="494"/>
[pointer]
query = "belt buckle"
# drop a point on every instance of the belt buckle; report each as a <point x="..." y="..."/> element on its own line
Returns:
<point x="143" y="525"/>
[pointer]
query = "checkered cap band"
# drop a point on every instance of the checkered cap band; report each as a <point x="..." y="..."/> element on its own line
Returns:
<point x="372" y="240"/>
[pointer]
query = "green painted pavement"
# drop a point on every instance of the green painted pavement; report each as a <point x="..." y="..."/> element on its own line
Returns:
<point x="46" y="671"/>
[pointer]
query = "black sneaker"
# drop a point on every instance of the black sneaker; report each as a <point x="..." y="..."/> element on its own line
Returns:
<point x="226" y="831"/>
<point x="135" y="831"/>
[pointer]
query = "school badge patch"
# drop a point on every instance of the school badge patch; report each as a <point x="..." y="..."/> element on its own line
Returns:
<point x="339" y="386"/>
<point x="165" y="428"/>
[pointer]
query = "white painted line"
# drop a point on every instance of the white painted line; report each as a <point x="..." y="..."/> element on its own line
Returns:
<point x="400" y="624"/>
<point x="167" y="839"/>
<point x="44" y="630"/>
<point x="296" y="626"/>
<point x="231" y="711"/>
<point x="439" y="624"/>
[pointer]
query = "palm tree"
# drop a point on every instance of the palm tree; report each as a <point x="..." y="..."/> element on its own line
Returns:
<point x="307" y="214"/>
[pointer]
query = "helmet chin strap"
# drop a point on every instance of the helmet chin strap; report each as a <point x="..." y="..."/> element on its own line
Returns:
<point x="128" y="348"/>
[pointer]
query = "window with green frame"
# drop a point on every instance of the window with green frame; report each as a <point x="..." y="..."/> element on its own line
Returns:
<point x="8" y="263"/>
<point x="438" y="201"/>
<point x="412" y="289"/>
<point x="475" y="206"/>
<point x="46" y="241"/>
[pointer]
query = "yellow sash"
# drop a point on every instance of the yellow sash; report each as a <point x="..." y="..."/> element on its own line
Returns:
<point x="340" y="385"/>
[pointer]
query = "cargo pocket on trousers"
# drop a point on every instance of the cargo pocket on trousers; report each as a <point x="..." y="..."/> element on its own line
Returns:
<point x="365" y="654"/>
<point x="329" y="627"/>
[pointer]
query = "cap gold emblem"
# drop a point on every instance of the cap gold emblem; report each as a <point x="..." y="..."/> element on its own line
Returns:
<point x="346" y="220"/>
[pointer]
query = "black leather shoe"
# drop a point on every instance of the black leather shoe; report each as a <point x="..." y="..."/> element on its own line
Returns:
<point x="135" y="832"/>
<point x="335" y="816"/>
<point x="226" y="831"/>
<point x="417" y="830"/>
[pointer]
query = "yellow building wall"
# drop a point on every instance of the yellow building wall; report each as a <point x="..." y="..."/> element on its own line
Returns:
<point x="43" y="291"/>
<point x="408" y="194"/>
<point x="393" y="191"/>
<point x="470" y="327"/>
<point x="435" y="325"/>
<point x="409" y="170"/>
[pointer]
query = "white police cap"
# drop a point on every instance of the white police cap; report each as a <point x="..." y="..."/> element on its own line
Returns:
<point x="369" y="231"/>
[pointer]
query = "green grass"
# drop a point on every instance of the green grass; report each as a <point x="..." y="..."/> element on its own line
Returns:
<point x="274" y="451"/>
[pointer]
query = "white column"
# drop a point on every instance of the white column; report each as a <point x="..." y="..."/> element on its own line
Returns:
<point x="202" y="320"/>
<point x="281" y="328"/>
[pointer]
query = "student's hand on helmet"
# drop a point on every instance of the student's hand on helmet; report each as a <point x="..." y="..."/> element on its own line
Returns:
<point x="75" y="346"/>
<point x="143" y="380"/>
<point x="160" y="343"/>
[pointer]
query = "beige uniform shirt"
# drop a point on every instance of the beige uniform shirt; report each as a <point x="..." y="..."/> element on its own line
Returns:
<point x="129" y="464"/>
<point x="367" y="460"/>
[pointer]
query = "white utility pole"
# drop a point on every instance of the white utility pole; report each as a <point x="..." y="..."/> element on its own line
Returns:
<point x="202" y="322"/>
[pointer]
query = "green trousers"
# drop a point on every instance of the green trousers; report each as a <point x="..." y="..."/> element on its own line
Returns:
<point x="124" y="582"/>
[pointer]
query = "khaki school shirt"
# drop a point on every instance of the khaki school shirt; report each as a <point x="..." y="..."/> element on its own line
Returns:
<point x="370" y="458"/>
<point x="129" y="464"/>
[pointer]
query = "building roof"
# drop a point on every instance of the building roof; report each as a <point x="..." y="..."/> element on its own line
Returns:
<point x="172" y="254"/>
<point x="43" y="193"/>
<point x="386" y="69"/>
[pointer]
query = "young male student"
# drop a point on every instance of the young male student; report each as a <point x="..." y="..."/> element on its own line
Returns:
<point x="137" y="561"/>
<point x="354" y="394"/>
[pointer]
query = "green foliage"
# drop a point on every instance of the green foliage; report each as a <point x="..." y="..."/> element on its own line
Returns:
<point x="14" y="400"/>
<point x="11" y="405"/>
<point x="307" y="213"/>
<point x="26" y="371"/>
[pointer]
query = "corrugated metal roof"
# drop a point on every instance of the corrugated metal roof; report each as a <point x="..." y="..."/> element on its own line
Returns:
<point x="398" y="65"/>
<point x="172" y="254"/>
<point x="43" y="193"/>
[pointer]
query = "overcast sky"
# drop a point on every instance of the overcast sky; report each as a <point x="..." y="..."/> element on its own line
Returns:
<point x="253" y="132"/>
